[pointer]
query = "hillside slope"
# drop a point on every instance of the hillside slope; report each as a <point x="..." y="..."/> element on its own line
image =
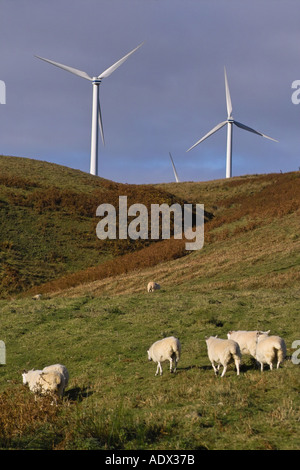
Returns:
<point x="48" y="221"/>
<point x="252" y="239"/>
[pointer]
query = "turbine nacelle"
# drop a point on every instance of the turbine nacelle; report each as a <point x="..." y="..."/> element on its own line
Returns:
<point x="96" y="80"/>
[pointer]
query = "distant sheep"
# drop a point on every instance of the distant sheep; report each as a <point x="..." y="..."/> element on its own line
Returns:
<point x="45" y="383"/>
<point x="246" y="340"/>
<point x="270" y="349"/>
<point x="152" y="286"/>
<point x="167" y="349"/>
<point x="37" y="297"/>
<point x="223" y="351"/>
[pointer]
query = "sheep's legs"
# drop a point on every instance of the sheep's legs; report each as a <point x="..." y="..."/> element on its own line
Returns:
<point x="159" y="368"/>
<point x="237" y="365"/>
<point x="214" y="367"/>
<point x="171" y="365"/>
<point x="224" y="370"/>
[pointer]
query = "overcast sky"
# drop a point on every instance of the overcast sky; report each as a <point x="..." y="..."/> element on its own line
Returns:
<point x="165" y="97"/>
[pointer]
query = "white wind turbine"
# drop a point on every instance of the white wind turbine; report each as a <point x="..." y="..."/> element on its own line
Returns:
<point x="174" y="169"/>
<point x="96" y="110"/>
<point x="230" y="121"/>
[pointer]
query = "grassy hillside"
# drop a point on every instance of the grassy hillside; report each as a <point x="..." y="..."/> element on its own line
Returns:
<point x="101" y="321"/>
<point x="48" y="221"/>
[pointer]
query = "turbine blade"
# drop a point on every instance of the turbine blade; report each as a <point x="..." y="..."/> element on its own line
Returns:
<point x="117" y="64"/>
<point x="246" y="128"/>
<point x="100" y="122"/>
<point x="80" y="73"/>
<point x="228" y="99"/>
<point x="215" y="129"/>
<point x="174" y="169"/>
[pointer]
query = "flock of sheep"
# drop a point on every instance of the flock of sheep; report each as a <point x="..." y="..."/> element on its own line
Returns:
<point x="264" y="348"/>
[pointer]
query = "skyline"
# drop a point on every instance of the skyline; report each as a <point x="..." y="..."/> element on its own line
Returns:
<point x="164" y="98"/>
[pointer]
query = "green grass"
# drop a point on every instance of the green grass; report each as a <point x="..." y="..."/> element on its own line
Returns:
<point x="114" y="401"/>
<point x="245" y="277"/>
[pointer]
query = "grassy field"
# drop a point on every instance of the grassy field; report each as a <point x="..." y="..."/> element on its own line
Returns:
<point x="114" y="401"/>
<point x="245" y="277"/>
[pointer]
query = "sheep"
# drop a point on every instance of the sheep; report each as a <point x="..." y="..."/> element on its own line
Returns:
<point x="37" y="297"/>
<point x="31" y="378"/>
<point x="44" y="383"/>
<point x="270" y="349"/>
<point x="167" y="349"/>
<point x="246" y="340"/>
<point x="222" y="351"/>
<point x="60" y="368"/>
<point x="152" y="286"/>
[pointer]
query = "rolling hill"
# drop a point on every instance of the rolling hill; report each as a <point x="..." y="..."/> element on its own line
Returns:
<point x="97" y="318"/>
<point x="48" y="221"/>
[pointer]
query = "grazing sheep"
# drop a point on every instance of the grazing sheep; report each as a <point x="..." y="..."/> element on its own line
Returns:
<point x="270" y="349"/>
<point x="37" y="297"/>
<point x="44" y="383"/>
<point x="152" y="286"/>
<point x="31" y="378"/>
<point x="59" y="368"/>
<point x="246" y="340"/>
<point x="167" y="349"/>
<point x="223" y="351"/>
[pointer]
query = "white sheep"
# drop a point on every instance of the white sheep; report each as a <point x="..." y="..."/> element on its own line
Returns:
<point x="270" y="349"/>
<point x="31" y="378"/>
<point x="246" y="340"/>
<point x="37" y="297"/>
<point x="223" y="351"/>
<point x="44" y="383"/>
<point x="152" y="286"/>
<point x="167" y="349"/>
<point x="59" y="368"/>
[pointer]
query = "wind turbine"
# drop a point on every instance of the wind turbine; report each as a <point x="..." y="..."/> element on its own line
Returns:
<point x="96" y="110"/>
<point x="174" y="169"/>
<point x="230" y="121"/>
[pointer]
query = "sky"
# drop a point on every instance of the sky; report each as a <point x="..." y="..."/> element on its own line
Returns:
<point x="165" y="97"/>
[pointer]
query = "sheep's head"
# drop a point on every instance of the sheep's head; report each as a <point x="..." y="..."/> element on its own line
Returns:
<point x="24" y="377"/>
<point x="149" y="356"/>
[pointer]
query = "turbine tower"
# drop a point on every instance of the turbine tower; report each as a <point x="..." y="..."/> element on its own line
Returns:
<point x="96" y="109"/>
<point x="174" y="169"/>
<point x="230" y="121"/>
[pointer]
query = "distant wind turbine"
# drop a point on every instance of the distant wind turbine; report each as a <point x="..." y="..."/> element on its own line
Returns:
<point x="229" y="122"/>
<point x="96" y="110"/>
<point x="174" y="169"/>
